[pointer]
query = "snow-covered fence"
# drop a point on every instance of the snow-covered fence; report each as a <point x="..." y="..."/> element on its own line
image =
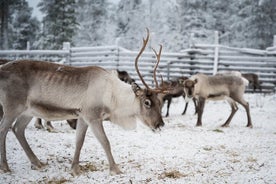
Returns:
<point x="260" y="62"/>
<point x="47" y="55"/>
<point x="207" y="59"/>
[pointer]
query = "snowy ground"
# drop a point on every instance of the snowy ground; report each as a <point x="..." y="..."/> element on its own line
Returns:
<point x="180" y="153"/>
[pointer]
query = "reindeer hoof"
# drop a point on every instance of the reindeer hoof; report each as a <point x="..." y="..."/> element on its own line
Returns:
<point x="4" y="169"/>
<point x="115" y="170"/>
<point x="249" y="126"/>
<point x="224" y="125"/>
<point x="76" y="171"/>
<point x="38" y="126"/>
<point x="37" y="166"/>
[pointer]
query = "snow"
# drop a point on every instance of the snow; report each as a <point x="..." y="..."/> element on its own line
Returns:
<point x="180" y="153"/>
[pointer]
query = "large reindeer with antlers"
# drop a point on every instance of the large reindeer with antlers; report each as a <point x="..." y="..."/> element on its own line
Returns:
<point x="90" y="94"/>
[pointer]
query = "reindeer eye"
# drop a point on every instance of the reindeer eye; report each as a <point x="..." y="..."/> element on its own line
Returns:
<point x="147" y="103"/>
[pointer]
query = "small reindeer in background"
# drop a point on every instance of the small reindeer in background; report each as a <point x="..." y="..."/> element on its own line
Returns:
<point x="253" y="80"/>
<point x="176" y="90"/>
<point x="218" y="87"/>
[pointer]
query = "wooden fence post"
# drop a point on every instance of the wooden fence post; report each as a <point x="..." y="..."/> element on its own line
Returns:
<point x="216" y="54"/>
<point x="66" y="46"/>
<point x="28" y="45"/>
<point x="118" y="52"/>
<point x="168" y="70"/>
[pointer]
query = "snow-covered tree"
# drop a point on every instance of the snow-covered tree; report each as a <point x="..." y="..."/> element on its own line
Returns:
<point x="24" y="27"/>
<point x="131" y="22"/>
<point x="5" y="21"/>
<point x="254" y="24"/>
<point x="59" y="23"/>
<point x="93" y="22"/>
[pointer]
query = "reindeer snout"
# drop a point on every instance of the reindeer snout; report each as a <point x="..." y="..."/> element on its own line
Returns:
<point x="160" y="124"/>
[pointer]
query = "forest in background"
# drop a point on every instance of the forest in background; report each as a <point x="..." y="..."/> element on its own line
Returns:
<point x="240" y="23"/>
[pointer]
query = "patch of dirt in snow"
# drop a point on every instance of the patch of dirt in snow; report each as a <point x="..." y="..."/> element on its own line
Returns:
<point x="180" y="153"/>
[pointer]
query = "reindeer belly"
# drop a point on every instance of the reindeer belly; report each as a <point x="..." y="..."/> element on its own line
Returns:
<point x="52" y="112"/>
<point x="54" y="104"/>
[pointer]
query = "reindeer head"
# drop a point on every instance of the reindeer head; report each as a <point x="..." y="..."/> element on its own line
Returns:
<point x="189" y="87"/>
<point x="150" y="105"/>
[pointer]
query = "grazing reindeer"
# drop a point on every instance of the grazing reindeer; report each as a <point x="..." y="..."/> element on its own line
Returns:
<point x="90" y="94"/>
<point x="176" y="90"/>
<point x="124" y="76"/>
<point x="218" y="87"/>
<point x="253" y="80"/>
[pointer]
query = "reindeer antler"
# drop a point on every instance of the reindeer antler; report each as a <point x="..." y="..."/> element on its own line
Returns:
<point x="156" y="65"/>
<point x="158" y="55"/>
<point x="145" y="41"/>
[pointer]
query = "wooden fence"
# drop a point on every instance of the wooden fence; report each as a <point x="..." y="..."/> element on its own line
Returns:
<point x="207" y="59"/>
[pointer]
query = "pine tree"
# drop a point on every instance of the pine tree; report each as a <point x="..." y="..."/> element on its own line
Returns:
<point x="5" y="21"/>
<point x="93" y="22"/>
<point x="59" y="23"/>
<point x="24" y="28"/>
<point x="131" y="23"/>
<point x="255" y="24"/>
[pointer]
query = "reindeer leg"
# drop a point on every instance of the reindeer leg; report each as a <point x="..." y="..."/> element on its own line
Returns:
<point x="38" y="123"/>
<point x="201" y="104"/>
<point x="5" y="124"/>
<point x="185" y="109"/>
<point x="246" y="106"/>
<point x="98" y="130"/>
<point x="49" y="126"/>
<point x="196" y="105"/>
<point x="234" y="109"/>
<point x="72" y="123"/>
<point x="19" y="131"/>
<point x="80" y="135"/>
<point x="168" y="106"/>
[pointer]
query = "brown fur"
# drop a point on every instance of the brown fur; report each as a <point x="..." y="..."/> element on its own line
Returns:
<point x="176" y="90"/>
<point x="253" y="80"/>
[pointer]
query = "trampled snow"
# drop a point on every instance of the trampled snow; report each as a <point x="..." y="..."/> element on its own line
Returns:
<point x="180" y="153"/>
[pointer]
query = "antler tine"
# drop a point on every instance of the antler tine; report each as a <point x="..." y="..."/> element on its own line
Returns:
<point x="145" y="41"/>
<point x="157" y="63"/>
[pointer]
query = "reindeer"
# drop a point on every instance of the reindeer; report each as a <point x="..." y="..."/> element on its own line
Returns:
<point x="253" y="80"/>
<point x="90" y="94"/>
<point x="176" y="90"/>
<point x="218" y="87"/>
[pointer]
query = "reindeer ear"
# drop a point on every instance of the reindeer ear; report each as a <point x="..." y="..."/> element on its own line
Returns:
<point x="137" y="90"/>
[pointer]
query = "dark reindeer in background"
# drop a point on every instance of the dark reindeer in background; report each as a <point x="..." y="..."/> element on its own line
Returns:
<point x="176" y="90"/>
<point x="90" y="94"/>
<point x="253" y="80"/>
